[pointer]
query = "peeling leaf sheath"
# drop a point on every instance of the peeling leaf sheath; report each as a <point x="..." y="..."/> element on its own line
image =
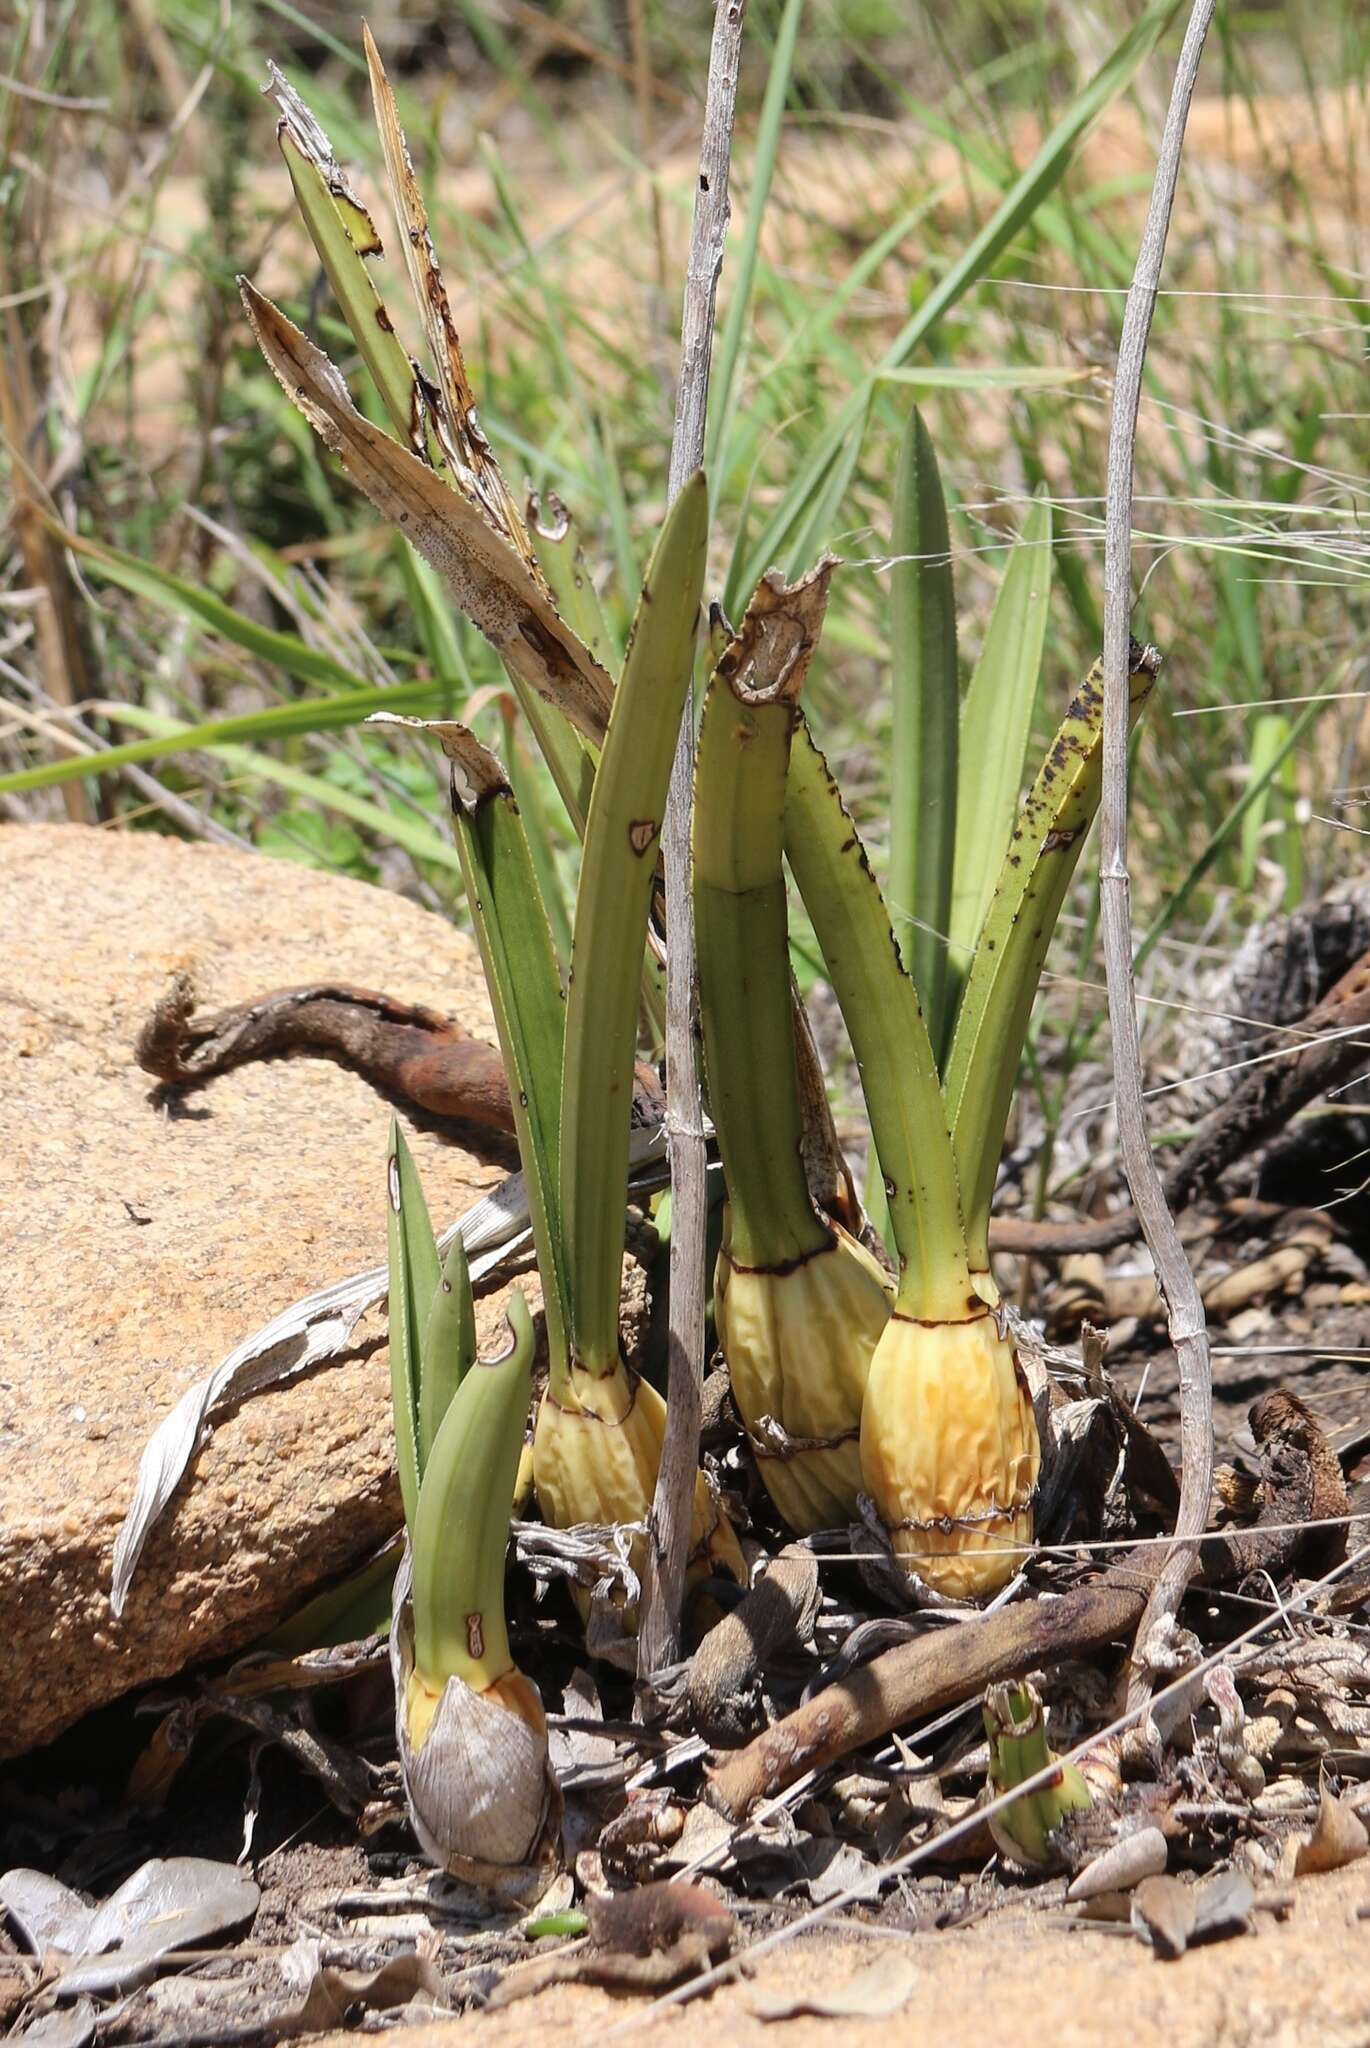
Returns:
<point x="1007" y="964"/>
<point x="488" y="580"/>
<point x="888" y="1035"/>
<point x="521" y="974"/>
<point x="741" y="926"/>
<point x="617" y="875"/>
<point x="413" y="1261"/>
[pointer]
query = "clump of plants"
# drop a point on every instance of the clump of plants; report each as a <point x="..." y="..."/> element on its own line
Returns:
<point x="870" y="1361"/>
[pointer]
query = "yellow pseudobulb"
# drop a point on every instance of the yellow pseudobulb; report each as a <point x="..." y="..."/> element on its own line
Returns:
<point x="798" y="1340"/>
<point x="597" y="1460"/>
<point x="949" y="1452"/>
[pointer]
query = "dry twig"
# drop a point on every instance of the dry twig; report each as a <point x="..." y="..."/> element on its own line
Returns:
<point x="669" y="1523"/>
<point x="1188" y="1330"/>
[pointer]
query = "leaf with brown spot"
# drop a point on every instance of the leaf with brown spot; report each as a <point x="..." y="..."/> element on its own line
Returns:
<point x="345" y="240"/>
<point x="490" y="582"/>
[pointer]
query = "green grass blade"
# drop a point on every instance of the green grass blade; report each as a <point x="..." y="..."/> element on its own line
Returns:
<point x="926" y="711"/>
<point x="516" y="950"/>
<point x="617" y="875"/>
<point x="743" y="267"/>
<point x="286" y="651"/>
<point x="1223" y="833"/>
<point x="1270" y="824"/>
<point x="992" y="377"/>
<point x="996" y="727"/>
<point x="1017" y="207"/>
<point x="318" y="715"/>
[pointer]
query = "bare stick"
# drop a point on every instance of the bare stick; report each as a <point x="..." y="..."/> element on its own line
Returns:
<point x="1184" y="1308"/>
<point x="668" y="1527"/>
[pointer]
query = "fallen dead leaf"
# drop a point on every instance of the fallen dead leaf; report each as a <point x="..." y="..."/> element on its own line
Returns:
<point x="1223" y="1905"/>
<point x="1123" y="1865"/>
<point x="1163" y="1913"/>
<point x="872" y="1994"/>
<point x="1339" y="1837"/>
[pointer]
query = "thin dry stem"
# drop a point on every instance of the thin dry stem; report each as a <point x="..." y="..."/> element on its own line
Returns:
<point x="668" y="1525"/>
<point x="1179" y="1290"/>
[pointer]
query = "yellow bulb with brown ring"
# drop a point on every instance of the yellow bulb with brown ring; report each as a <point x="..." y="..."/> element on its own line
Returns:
<point x="798" y="1340"/>
<point x="596" y="1453"/>
<point x="949" y="1451"/>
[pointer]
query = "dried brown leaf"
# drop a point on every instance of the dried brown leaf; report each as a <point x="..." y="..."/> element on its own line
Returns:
<point x="872" y="1994"/>
<point x="1164" y="1913"/>
<point x="491" y="583"/>
<point x="1123" y="1865"/>
<point x="1339" y="1837"/>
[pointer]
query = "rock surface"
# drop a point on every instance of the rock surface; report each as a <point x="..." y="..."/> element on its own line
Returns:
<point x="138" y="1248"/>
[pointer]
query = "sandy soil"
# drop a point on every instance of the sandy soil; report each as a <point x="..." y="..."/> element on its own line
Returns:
<point x="1022" y="1977"/>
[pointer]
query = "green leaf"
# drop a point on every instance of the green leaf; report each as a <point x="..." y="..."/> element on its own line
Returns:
<point x="888" y="1036"/>
<point x="741" y="926"/>
<point x="414" y="1273"/>
<point x="344" y="236"/>
<point x="309" y="839"/>
<point x="926" y="711"/>
<point x="996" y="726"/>
<point x="449" y="1346"/>
<point x="461" y="1531"/>
<point x="622" y="836"/>
<point x="562" y="560"/>
<point x="516" y="950"/>
<point x="1000" y="990"/>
